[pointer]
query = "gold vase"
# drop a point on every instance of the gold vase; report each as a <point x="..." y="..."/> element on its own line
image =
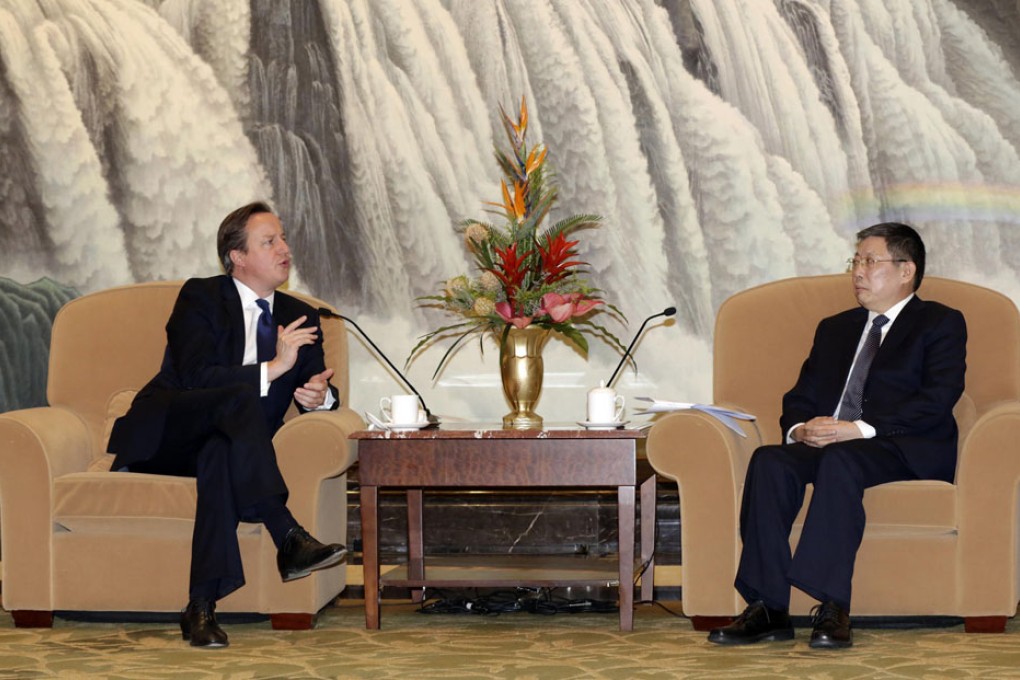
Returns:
<point x="520" y="367"/>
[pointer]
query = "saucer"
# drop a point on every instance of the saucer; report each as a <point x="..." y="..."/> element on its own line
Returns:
<point x="602" y="426"/>
<point x="394" y="427"/>
<point x="404" y="427"/>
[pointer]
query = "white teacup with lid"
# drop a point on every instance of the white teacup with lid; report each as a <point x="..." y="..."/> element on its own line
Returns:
<point x="605" y="406"/>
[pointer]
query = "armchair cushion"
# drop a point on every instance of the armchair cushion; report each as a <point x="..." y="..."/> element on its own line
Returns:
<point x="122" y="494"/>
<point x="915" y="504"/>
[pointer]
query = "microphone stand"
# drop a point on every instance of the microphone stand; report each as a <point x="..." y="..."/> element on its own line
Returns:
<point x="669" y="311"/>
<point x="323" y="311"/>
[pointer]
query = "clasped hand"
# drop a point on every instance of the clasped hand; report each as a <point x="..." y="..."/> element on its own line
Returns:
<point x="824" y="430"/>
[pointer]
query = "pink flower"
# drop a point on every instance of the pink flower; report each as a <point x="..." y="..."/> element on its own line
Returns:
<point x="506" y="313"/>
<point x="563" y="307"/>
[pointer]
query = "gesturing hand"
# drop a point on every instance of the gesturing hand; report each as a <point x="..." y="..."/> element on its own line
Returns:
<point x="312" y="394"/>
<point x="288" y="341"/>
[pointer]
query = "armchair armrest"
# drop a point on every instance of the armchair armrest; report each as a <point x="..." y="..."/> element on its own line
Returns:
<point x="36" y="446"/>
<point x="987" y="480"/>
<point x="708" y="461"/>
<point x="312" y="448"/>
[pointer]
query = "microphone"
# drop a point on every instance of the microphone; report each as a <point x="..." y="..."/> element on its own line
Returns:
<point x="668" y="311"/>
<point x="329" y="313"/>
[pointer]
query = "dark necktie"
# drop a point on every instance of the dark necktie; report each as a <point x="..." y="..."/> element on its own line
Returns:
<point x="265" y="332"/>
<point x="852" y="405"/>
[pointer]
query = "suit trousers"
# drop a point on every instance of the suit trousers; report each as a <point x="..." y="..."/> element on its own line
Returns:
<point x="822" y="565"/>
<point x="220" y="436"/>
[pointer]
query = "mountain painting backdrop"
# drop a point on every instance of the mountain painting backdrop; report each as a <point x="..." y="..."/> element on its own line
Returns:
<point x="726" y="143"/>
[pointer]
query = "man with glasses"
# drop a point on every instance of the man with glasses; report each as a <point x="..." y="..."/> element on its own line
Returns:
<point x="873" y="404"/>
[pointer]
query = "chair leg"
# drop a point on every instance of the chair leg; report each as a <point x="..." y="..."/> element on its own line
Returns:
<point x="30" y="618"/>
<point x="292" y="621"/>
<point x="707" y="623"/>
<point x="984" y="624"/>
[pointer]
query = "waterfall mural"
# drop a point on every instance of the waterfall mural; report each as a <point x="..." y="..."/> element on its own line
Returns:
<point x="725" y="142"/>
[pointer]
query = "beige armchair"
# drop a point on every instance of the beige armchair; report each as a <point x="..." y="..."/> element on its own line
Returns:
<point x="77" y="537"/>
<point x="930" y="548"/>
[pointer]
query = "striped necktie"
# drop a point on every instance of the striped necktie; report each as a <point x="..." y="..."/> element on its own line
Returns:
<point x="852" y="405"/>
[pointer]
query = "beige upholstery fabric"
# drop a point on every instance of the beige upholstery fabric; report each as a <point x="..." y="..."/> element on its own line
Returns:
<point x="117" y="405"/>
<point x="930" y="548"/>
<point x="77" y="536"/>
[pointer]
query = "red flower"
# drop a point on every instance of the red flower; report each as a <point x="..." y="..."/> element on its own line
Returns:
<point x="511" y="269"/>
<point x="563" y="307"/>
<point x="556" y="256"/>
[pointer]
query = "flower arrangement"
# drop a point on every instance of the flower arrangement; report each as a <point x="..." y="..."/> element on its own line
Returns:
<point x="528" y="275"/>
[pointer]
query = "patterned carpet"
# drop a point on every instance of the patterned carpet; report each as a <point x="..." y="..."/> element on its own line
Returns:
<point x="519" y="645"/>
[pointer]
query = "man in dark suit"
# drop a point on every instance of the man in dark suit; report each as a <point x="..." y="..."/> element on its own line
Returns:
<point x="873" y="404"/>
<point x="237" y="352"/>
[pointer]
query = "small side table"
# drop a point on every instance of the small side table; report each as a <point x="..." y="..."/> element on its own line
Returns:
<point x="485" y="456"/>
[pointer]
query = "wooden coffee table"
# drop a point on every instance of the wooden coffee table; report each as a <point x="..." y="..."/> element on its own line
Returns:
<point x="488" y="457"/>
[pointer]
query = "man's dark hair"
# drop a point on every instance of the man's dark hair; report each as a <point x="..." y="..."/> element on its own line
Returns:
<point x="903" y="242"/>
<point x="233" y="232"/>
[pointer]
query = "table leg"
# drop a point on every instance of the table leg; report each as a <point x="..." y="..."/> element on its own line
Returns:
<point x="625" y="508"/>
<point x="370" y="553"/>
<point x="415" y="542"/>
<point x="648" y="502"/>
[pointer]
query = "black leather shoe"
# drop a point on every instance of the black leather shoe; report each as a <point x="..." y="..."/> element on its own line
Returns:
<point x="831" y="627"/>
<point x="198" y="624"/>
<point x="301" y="554"/>
<point x="758" y="623"/>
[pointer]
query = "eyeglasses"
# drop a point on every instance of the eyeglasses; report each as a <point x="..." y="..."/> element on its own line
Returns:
<point x="868" y="263"/>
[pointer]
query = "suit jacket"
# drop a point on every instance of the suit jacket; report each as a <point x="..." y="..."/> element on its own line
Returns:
<point x="914" y="382"/>
<point x="205" y="347"/>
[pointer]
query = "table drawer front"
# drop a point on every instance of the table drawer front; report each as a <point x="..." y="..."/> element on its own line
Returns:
<point x="495" y="463"/>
